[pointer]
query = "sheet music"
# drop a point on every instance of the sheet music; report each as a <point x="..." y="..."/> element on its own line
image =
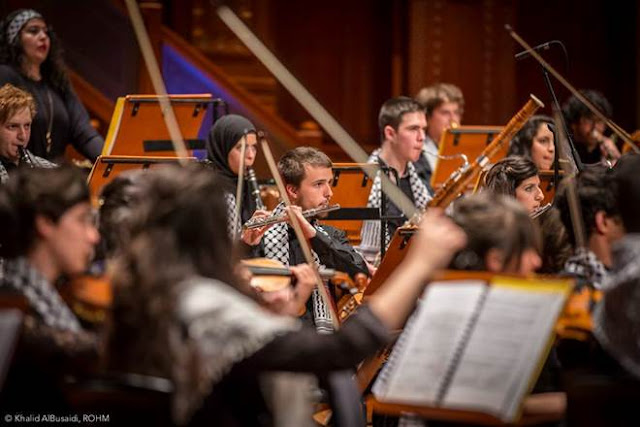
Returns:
<point x="419" y="363"/>
<point x="501" y="356"/>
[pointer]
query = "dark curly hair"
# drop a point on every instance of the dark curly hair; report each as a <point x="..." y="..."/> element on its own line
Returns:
<point x="573" y="109"/>
<point x="596" y="193"/>
<point x="522" y="142"/>
<point x="52" y="69"/>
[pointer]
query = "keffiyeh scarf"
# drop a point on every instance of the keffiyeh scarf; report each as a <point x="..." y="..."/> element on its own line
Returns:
<point x="276" y="246"/>
<point x="585" y="266"/>
<point x="217" y="328"/>
<point x="232" y="217"/>
<point x="370" y="235"/>
<point x="38" y="162"/>
<point x="42" y="296"/>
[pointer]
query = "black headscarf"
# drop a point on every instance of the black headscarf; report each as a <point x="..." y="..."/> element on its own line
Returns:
<point x="223" y="136"/>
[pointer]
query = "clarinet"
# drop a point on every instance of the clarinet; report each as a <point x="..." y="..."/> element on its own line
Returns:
<point x="25" y="159"/>
<point x="254" y="189"/>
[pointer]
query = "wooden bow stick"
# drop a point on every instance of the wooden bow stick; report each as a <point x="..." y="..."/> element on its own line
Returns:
<point x="158" y="84"/>
<point x="304" y="244"/>
<point x="614" y="127"/>
<point x="313" y="107"/>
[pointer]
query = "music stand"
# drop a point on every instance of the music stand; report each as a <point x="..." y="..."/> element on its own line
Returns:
<point x="106" y="168"/>
<point x="351" y="187"/>
<point x="467" y="140"/>
<point x="138" y="129"/>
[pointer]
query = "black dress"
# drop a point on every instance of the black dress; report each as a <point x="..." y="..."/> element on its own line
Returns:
<point x="70" y="124"/>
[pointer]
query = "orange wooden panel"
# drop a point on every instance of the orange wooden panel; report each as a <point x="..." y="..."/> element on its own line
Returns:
<point x="351" y="188"/>
<point x="138" y="124"/>
<point x="467" y="140"/>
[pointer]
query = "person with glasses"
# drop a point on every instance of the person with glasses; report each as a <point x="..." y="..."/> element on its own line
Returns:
<point x="30" y="58"/>
<point x="47" y="232"/>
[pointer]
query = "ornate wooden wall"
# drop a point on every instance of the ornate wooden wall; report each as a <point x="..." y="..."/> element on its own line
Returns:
<point x="355" y="54"/>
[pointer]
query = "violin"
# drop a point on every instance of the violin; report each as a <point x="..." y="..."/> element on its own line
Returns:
<point x="576" y="322"/>
<point x="348" y="303"/>
<point x="271" y="276"/>
<point x="635" y="138"/>
<point x="90" y="298"/>
<point x="268" y="275"/>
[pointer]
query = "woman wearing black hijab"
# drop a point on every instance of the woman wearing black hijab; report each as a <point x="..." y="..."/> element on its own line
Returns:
<point x="224" y="146"/>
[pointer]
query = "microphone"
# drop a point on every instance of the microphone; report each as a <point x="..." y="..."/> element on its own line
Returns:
<point x="543" y="46"/>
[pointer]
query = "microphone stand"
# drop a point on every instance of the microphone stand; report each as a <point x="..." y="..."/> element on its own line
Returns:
<point x="574" y="153"/>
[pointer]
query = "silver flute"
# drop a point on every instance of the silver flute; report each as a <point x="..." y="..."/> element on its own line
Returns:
<point x="542" y="209"/>
<point x="269" y="220"/>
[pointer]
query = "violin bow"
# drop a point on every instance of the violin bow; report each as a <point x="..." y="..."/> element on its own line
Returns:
<point x="304" y="244"/>
<point x="237" y="219"/>
<point x="313" y="107"/>
<point x="572" y="191"/>
<point x="614" y="127"/>
<point x="156" y="80"/>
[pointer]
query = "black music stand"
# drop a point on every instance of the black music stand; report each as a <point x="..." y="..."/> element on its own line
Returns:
<point x="351" y="188"/>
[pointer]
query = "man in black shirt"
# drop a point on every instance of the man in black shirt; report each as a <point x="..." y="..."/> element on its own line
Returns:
<point x="308" y="177"/>
<point x="402" y="122"/>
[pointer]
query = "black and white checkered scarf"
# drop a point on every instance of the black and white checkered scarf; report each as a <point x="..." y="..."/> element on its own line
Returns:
<point x="232" y="217"/>
<point x="370" y="234"/>
<point x="276" y="246"/>
<point x="38" y="162"/>
<point x="586" y="266"/>
<point x="42" y="296"/>
<point x="18" y="21"/>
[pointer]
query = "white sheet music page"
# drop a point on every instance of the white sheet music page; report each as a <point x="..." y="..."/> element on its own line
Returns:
<point x="506" y="344"/>
<point x="419" y="362"/>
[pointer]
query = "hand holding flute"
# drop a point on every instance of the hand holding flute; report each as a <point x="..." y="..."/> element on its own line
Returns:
<point x="261" y="220"/>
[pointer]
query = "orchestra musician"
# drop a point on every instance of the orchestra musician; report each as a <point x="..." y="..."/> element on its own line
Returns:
<point x="588" y="130"/>
<point x="402" y="123"/>
<point x="47" y="232"/>
<point x="535" y="141"/>
<point x="606" y="391"/>
<point x="444" y="106"/>
<point x="501" y="237"/>
<point x="30" y="58"/>
<point x="215" y="343"/>
<point x="17" y="110"/>
<point x="615" y="320"/>
<point x="224" y="147"/>
<point x="307" y="174"/>
<point x="602" y="225"/>
<point x="517" y="177"/>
